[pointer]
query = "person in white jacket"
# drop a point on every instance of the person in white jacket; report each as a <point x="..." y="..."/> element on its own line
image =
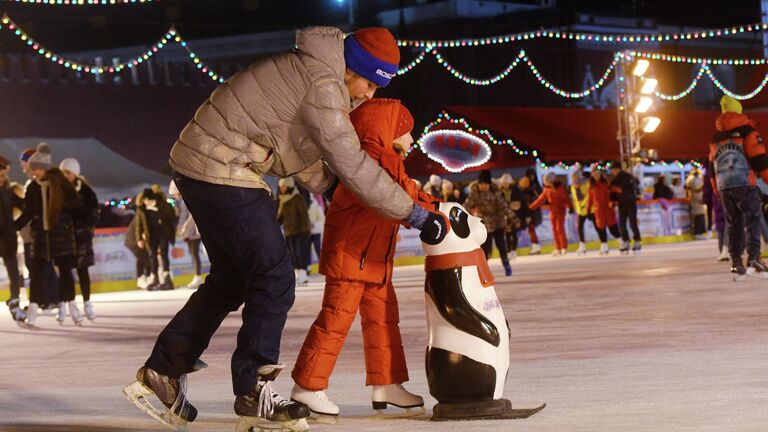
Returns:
<point x="316" y="222"/>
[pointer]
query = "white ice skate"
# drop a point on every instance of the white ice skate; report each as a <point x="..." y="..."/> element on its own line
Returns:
<point x="74" y="312"/>
<point x="318" y="403"/>
<point x="535" y="249"/>
<point x="556" y="252"/>
<point x="196" y="282"/>
<point x="88" y="310"/>
<point x="563" y="251"/>
<point x="62" y="315"/>
<point x="142" y="282"/>
<point x="512" y="255"/>
<point x="604" y="249"/>
<point x="31" y="320"/>
<point x="396" y="395"/>
<point x="582" y="250"/>
<point x="301" y="277"/>
<point x="724" y="255"/>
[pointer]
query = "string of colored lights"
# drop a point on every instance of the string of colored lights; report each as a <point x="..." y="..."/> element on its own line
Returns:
<point x="445" y="116"/>
<point x="605" y="165"/>
<point x="590" y="37"/>
<point x="698" y="60"/>
<point x="80" y="2"/>
<point x="419" y="58"/>
<point x="196" y="60"/>
<point x="566" y="94"/>
<point x="723" y="89"/>
<point x="171" y="35"/>
<point x="705" y="69"/>
<point x="521" y="56"/>
<point x="685" y="92"/>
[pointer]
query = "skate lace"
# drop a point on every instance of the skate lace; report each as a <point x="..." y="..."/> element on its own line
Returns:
<point x="268" y="400"/>
<point x="181" y="401"/>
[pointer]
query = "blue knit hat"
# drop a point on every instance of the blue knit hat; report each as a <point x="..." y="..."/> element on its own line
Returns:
<point x="373" y="54"/>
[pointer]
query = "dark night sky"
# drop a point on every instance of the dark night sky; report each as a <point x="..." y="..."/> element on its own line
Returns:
<point x="75" y="28"/>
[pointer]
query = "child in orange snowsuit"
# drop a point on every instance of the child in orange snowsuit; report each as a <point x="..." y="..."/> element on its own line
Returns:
<point x="357" y="261"/>
<point x="599" y="203"/>
<point x="556" y="196"/>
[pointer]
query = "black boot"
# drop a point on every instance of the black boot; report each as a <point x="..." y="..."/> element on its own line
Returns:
<point x="17" y="313"/>
<point x="263" y="402"/>
<point x="737" y="267"/>
<point x="166" y="283"/>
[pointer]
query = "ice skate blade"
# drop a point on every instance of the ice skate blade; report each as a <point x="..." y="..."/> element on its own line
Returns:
<point x="401" y="412"/>
<point x="323" y="418"/>
<point x="137" y="393"/>
<point x="258" y="424"/>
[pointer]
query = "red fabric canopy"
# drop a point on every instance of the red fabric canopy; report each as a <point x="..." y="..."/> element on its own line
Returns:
<point x="574" y="134"/>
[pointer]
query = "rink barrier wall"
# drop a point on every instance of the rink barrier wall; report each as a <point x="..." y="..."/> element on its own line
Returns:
<point x="660" y="222"/>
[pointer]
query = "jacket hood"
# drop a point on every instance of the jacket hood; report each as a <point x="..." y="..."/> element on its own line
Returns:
<point x="731" y="120"/>
<point x="324" y="44"/>
<point x="375" y="122"/>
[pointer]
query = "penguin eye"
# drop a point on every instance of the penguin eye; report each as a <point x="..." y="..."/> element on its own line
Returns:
<point x="459" y="222"/>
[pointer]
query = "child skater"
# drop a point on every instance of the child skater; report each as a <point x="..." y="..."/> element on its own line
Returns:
<point x="555" y="195"/>
<point x="357" y="261"/>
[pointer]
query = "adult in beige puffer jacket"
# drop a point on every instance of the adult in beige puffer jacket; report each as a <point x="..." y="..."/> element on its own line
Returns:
<point x="285" y="116"/>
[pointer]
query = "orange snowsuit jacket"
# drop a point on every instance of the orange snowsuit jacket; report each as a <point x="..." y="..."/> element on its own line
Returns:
<point x="753" y="145"/>
<point x="556" y="197"/>
<point x="599" y="203"/>
<point x="358" y="243"/>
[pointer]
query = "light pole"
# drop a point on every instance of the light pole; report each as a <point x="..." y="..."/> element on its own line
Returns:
<point x="634" y="99"/>
<point x="350" y="10"/>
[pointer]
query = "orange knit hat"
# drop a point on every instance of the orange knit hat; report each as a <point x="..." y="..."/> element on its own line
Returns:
<point x="380" y="43"/>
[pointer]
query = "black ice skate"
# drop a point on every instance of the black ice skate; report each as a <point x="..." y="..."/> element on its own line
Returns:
<point x="756" y="268"/>
<point x="171" y="392"/>
<point x="166" y="283"/>
<point x="17" y="313"/>
<point x="264" y="410"/>
<point x="624" y="247"/>
<point x="637" y="247"/>
<point x="738" y="270"/>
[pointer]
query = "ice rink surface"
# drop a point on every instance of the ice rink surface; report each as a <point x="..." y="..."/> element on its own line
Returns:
<point x="658" y="342"/>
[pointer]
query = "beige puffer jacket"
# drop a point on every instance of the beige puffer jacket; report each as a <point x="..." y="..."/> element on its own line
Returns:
<point x="280" y="117"/>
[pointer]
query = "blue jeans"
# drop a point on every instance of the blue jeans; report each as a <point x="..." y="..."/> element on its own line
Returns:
<point x="249" y="264"/>
<point x="742" y="211"/>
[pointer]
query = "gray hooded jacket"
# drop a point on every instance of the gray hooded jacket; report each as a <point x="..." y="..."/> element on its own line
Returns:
<point x="287" y="115"/>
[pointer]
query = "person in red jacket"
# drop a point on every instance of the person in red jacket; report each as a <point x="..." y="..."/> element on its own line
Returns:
<point x="357" y="261"/>
<point x="556" y="196"/>
<point x="736" y="153"/>
<point x="599" y="203"/>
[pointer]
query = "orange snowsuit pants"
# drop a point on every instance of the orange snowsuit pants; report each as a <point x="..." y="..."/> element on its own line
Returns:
<point x="558" y="227"/>
<point x="383" y="346"/>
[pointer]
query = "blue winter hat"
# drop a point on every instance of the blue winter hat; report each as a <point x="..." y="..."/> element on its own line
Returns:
<point x="373" y="54"/>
